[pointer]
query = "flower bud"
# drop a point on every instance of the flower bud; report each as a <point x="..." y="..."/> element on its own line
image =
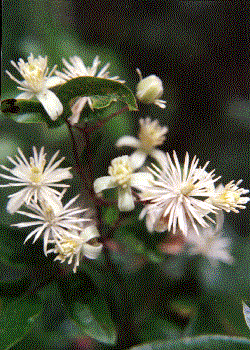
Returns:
<point x="150" y="89"/>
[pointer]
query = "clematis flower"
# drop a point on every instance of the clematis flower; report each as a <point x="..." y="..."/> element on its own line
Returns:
<point x="229" y="197"/>
<point x="122" y="177"/>
<point x="53" y="220"/>
<point x="78" y="69"/>
<point x="210" y="243"/>
<point x="151" y="135"/>
<point x="36" y="178"/>
<point x="37" y="83"/>
<point x="149" y="90"/>
<point x="78" y="244"/>
<point x="177" y="196"/>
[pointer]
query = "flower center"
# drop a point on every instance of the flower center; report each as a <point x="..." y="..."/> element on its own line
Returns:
<point x="68" y="247"/>
<point x="230" y="197"/>
<point x="35" y="175"/>
<point x="34" y="73"/>
<point x="49" y="213"/>
<point x="186" y="188"/>
<point x="121" y="171"/>
<point x="36" y="172"/>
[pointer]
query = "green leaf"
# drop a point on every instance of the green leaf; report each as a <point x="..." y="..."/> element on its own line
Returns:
<point x="26" y="111"/>
<point x="17" y="318"/>
<point x="94" y="319"/>
<point x="205" y="342"/>
<point x="102" y="91"/>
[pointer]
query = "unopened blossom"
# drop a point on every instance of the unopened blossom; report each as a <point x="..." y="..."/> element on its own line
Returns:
<point x="52" y="219"/>
<point x="37" y="83"/>
<point x="229" y="198"/>
<point x="151" y="135"/>
<point x="123" y="177"/>
<point x="210" y="243"/>
<point x="176" y="198"/>
<point x="35" y="177"/>
<point x="150" y="89"/>
<point x="78" y="244"/>
<point x="78" y="69"/>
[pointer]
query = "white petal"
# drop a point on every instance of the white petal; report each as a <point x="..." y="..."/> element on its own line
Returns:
<point x="125" y="199"/>
<point x="103" y="183"/>
<point x="51" y="103"/>
<point x="17" y="200"/>
<point x="25" y="95"/>
<point x="138" y="158"/>
<point x="128" y="141"/>
<point x="161" y="158"/>
<point x="141" y="179"/>
<point x="89" y="233"/>
<point x="91" y="251"/>
<point x="53" y="81"/>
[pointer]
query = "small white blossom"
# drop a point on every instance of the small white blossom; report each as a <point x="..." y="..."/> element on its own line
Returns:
<point x="53" y="220"/>
<point x="79" y="243"/>
<point x="229" y="197"/>
<point x="177" y="196"/>
<point x="78" y="69"/>
<point x="35" y="178"/>
<point x="151" y="135"/>
<point x="122" y="176"/>
<point x="37" y="83"/>
<point x="150" y="89"/>
<point x="210" y="243"/>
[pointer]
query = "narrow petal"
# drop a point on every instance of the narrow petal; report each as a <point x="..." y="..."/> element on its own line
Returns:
<point x="103" y="183"/>
<point x="128" y="141"/>
<point x="51" y="103"/>
<point x="125" y="199"/>
<point x="161" y="157"/>
<point x="138" y="158"/>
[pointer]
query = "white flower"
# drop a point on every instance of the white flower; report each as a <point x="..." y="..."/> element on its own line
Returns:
<point x="35" y="178"/>
<point x="122" y="176"/>
<point x="53" y="220"/>
<point x="229" y="197"/>
<point x="150" y="89"/>
<point x="177" y="196"/>
<point x="79" y="243"/>
<point x="78" y="69"/>
<point x="151" y="135"/>
<point x="210" y="243"/>
<point x="37" y="83"/>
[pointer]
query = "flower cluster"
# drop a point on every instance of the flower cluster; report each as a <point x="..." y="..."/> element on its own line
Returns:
<point x="60" y="225"/>
<point x="176" y="197"/>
